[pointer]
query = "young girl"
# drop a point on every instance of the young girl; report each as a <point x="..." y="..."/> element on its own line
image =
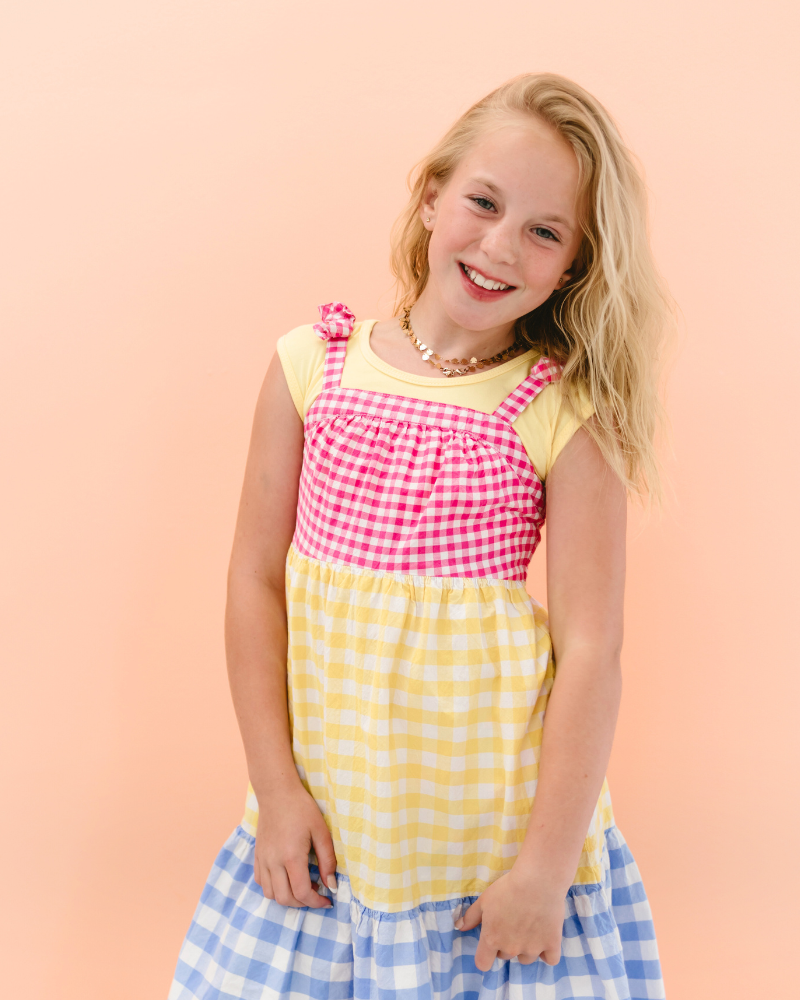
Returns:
<point x="428" y="815"/>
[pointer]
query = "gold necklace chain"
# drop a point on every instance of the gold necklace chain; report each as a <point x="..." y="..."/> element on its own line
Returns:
<point x="473" y="364"/>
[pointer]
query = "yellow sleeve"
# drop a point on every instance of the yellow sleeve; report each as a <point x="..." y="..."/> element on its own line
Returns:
<point x="302" y="356"/>
<point x="547" y="424"/>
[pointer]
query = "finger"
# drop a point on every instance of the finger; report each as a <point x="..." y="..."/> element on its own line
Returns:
<point x="326" y="857"/>
<point x="281" y="887"/>
<point x="551" y="956"/>
<point x="261" y="877"/>
<point x="266" y="884"/>
<point x="484" y="956"/>
<point x="471" y="918"/>
<point x="301" y="887"/>
<point x="526" y="959"/>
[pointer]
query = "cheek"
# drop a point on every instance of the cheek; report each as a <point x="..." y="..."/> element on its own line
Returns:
<point x="439" y="250"/>
<point x="543" y="269"/>
<point x="449" y="240"/>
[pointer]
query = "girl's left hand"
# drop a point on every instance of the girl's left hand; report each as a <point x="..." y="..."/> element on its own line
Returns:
<point x="521" y="918"/>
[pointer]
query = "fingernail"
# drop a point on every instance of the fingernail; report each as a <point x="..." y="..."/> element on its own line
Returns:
<point x="459" y="922"/>
<point x="332" y="883"/>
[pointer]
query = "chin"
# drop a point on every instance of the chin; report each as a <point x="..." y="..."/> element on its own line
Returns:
<point x="479" y="315"/>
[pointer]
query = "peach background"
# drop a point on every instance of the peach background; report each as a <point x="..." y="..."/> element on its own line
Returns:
<point x="186" y="181"/>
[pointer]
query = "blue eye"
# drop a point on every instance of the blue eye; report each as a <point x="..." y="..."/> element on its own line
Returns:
<point x="485" y="201"/>
<point x="547" y="234"/>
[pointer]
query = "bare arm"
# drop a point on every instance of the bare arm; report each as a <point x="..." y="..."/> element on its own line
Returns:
<point x="256" y="648"/>
<point x="586" y="517"/>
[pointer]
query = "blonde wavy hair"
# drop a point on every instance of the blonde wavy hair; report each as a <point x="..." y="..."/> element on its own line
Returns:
<point x="609" y="324"/>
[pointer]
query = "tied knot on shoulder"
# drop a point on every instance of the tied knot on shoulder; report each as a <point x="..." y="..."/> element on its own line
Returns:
<point x="549" y="370"/>
<point x="337" y="321"/>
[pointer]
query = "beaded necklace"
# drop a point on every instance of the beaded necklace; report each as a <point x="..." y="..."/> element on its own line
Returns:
<point x="472" y="364"/>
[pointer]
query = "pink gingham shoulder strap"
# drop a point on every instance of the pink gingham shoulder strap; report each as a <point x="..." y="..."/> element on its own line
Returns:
<point x="335" y="328"/>
<point x="542" y="374"/>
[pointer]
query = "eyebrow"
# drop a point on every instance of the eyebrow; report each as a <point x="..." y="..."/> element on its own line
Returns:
<point x="488" y="184"/>
<point x="547" y="218"/>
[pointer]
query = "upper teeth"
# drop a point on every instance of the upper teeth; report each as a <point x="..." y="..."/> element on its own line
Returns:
<point x="479" y="279"/>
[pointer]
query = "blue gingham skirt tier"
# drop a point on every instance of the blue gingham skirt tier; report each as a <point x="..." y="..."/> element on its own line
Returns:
<point x="242" y="946"/>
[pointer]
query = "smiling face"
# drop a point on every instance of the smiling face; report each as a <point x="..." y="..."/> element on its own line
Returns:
<point x="504" y="227"/>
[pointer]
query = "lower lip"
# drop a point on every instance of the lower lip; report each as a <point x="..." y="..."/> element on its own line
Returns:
<point x="482" y="294"/>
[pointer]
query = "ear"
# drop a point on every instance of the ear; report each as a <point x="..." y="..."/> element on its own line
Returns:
<point x="427" y="209"/>
<point x="569" y="274"/>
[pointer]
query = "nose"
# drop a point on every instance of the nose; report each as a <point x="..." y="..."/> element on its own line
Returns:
<point x="499" y="243"/>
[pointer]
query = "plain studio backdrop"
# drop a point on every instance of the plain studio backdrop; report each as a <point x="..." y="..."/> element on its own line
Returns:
<point x="182" y="183"/>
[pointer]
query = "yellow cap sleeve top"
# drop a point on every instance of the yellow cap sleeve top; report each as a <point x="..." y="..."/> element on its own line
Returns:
<point x="544" y="427"/>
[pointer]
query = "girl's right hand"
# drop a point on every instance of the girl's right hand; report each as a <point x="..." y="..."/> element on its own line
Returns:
<point x="288" y="825"/>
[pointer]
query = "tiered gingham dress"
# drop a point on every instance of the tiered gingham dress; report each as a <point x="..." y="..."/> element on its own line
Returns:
<point x="418" y="675"/>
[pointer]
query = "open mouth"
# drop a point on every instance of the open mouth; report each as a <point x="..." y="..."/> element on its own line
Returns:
<point x="482" y="281"/>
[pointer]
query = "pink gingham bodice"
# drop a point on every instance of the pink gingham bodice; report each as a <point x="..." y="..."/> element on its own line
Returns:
<point x="414" y="487"/>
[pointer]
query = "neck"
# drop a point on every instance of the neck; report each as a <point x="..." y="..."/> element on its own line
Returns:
<point x="434" y="327"/>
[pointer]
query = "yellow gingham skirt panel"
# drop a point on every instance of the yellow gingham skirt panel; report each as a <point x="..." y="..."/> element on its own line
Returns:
<point x="416" y="707"/>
